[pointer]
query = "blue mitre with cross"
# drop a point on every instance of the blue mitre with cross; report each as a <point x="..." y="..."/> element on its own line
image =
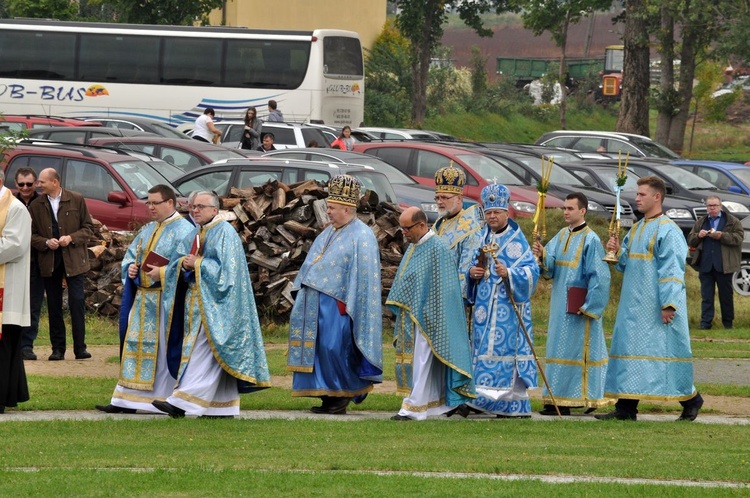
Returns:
<point x="495" y="197"/>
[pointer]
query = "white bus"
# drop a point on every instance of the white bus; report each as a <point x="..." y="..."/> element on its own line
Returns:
<point x="172" y="73"/>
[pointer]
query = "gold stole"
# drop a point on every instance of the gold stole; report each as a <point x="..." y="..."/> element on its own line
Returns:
<point x="4" y="205"/>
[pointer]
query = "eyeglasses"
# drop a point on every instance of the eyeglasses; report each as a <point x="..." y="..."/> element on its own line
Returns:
<point x="155" y="203"/>
<point x="406" y="229"/>
<point x="29" y="184"/>
<point x="439" y="198"/>
<point x="200" y="207"/>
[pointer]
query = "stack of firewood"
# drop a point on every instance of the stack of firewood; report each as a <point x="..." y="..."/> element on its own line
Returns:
<point x="277" y="224"/>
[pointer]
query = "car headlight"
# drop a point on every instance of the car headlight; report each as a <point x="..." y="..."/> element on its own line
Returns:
<point x="429" y="206"/>
<point x="595" y="206"/>
<point x="523" y="207"/>
<point x="735" y="207"/>
<point x="680" y="214"/>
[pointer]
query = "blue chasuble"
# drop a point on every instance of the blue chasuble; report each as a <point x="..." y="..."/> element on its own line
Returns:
<point x="462" y="233"/>
<point x="426" y="294"/>
<point x="649" y="359"/>
<point x="576" y="363"/>
<point x="139" y="330"/>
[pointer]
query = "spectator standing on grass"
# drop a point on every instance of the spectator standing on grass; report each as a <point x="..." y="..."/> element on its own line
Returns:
<point x="151" y="347"/>
<point x="336" y="329"/>
<point x="26" y="185"/>
<point x="433" y="358"/>
<point x="576" y="363"/>
<point x="204" y="129"/>
<point x="274" y="114"/>
<point x="60" y="231"/>
<point x="716" y="239"/>
<point x="344" y="140"/>
<point x="503" y="363"/>
<point x="252" y="130"/>
<point x="222" y="352"/>
<point x="15" y="240"/>
<point x="650" y="356"/>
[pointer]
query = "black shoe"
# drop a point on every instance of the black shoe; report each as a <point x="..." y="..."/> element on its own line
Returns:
<point x="28" y="354"/>
<point x="56" y="356"/>
<point x="589" y="410"/>
<point x="690" y="412"/>
<point x="615" y="415"/>
<point x="338" y="405"/>
<point x="703" y="326"/>
<point x="169" y="409"/>
<point x="462" y="410"/>
<point x="401" y="418"/>
<point x="549" y="410"/>
<point x="114" y="409"/>
<point x="727" y="325"/>
<point x="83" y="355"/>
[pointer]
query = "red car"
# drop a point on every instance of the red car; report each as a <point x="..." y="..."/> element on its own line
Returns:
<point x="421" y="161"/>
<point x="114" y="184"/>
<point x="17" y="122"/>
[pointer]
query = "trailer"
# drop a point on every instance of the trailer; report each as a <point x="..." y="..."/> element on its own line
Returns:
<point x="524" y="70"/>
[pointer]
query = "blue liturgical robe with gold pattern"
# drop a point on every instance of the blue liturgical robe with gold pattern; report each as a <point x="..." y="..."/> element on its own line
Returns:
<point x="462" y="234"/>
<point x="220" y="298"/>
<point x="503" y="363"/>
<point x="336" y="325"/>
<point x="649" y="359"/>
<point x="576" y="363"/>
<point x="426" y="298"/>
<point x="144" y="302"/>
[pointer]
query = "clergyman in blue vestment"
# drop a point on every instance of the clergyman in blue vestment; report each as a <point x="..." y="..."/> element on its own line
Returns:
<point x="336" y="329"/>
<point x="147" y="338"/>
<point x="503" y="362"/>
<point x="576" y="362"/>
<point x="433" y="360"/>
<point x="650" y="355"/>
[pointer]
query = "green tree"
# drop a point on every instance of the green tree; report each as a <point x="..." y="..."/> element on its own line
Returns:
<point x="421" y="22"/>
<point x="65" y="10"/>
<point x="633" y="115"/>
<point x="172" y="12"/>
<point x="388" y="84"/>
<point x="555" y="17"/>
<point x="478" y="64"/>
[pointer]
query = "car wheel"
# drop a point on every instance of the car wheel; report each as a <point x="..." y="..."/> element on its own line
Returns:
<point x="741" y="279"/>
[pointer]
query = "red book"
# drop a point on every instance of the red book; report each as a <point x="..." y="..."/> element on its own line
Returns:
<point x="576" y="298"/>
<point x="154" y="259"/>
<point x="196" y="248"/>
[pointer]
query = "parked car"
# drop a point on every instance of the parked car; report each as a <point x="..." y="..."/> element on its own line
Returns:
<point x="398" y="133"/>
<point x="139" y="124"/>
<point x="115" y="185"/>
<point x="185" y="154"/>
<point x="683" y="183"/>
<point x="606" y="141"/>
<point x="408" y="191"/>
<point x="683" y="211"/>
<point x="82" y="134"/>
<point x="220" y="177"/>
<point x="18" y="122"/>
<point x="732" y="177"/>
<point x="741" y="279"/>
<point x="421" y="160"/>
<point x="286" y="135"/>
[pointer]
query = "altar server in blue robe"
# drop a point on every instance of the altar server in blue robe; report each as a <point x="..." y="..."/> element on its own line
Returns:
<point x="147" y="338"/>
<point x="576" y="361"/>
<point x="335" y="330"/>
<point x="503" y="362"/>
<point x="433" y="359"/>
<point x="222" y="349"/>
<point x="650" y="356"/>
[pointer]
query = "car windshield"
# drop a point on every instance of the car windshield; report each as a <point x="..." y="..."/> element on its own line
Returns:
<point x="216" y="155"/>
<point x="139" y="176"/>
<point x="488" y="169"/>
<point x="378" y="183"/>
<point x="685" y="178"/>
<point x="743" y="174"/>
<point x="609" y="177"/>
<point x="394" y="175"/>
<point x="653" y="149"/>
<point x="558" y="175"/>
<point x="167" y="131"/>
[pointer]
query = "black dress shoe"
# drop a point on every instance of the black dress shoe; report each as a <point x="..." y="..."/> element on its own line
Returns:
<point x="690" y="412"/>
<point x="28" y="354"/>
<point x="114" y="409"/>
<point x="589" y="410"/>
<point x="727" y="325"/>
<point x="169" y="409"/>
<point x="615" y="415"/>
<point x="703" y="326"/>
<point x="83" y="355"/>
<point x="462" y="410"/>
<point x="401" y="418"/>
<point x="56" y="356"/>
<point x="549" y="410"/>
<point x="338" y="405"/>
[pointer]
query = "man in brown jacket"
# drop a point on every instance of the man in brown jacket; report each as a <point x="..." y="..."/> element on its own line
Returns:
<point x="60" y="230"/>
<point x="717" y="241"/>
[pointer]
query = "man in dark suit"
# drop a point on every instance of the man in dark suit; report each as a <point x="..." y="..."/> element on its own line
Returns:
<point x="718" y="239"/>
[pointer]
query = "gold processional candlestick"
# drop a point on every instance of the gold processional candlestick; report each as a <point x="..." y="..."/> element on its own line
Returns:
<point x="540" y="217"/>
<point x="614" y="224"/>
